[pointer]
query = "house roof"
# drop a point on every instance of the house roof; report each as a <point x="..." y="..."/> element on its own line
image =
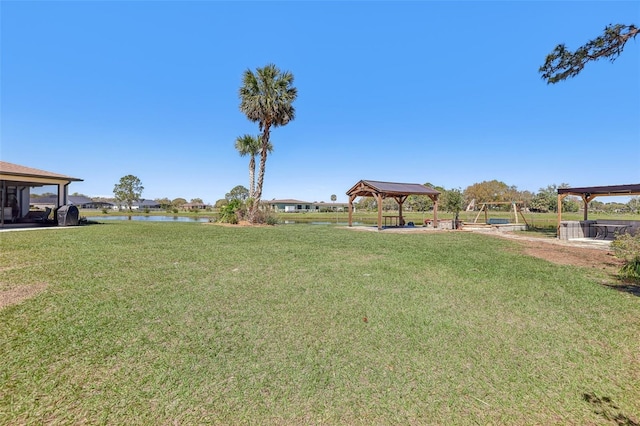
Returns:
<point x="73" y="199"/>
<point x="329" y="204"/>
<point x="288" y="201"/>
<point x="613" y="190"/>
<point x="148" y="203"/>
<point x="368" y="188"/>
<point x="15" y="170"/>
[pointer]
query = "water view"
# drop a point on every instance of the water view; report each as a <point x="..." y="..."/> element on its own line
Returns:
<point x="153" y="218"/>
<point x="203" y="219"/>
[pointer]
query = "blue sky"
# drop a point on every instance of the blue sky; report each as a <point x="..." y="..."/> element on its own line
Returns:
<point x="420" y="91"/>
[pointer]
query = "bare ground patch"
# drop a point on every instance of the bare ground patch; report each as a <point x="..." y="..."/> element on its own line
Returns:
<point x="597" y="258"/>
<point x="17" y="294"/>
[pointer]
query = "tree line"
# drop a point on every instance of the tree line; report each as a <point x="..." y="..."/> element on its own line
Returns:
<point x="129" y="190"/>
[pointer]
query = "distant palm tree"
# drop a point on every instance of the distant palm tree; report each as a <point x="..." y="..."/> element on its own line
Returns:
<point x="333" y="200"/>
<point x="266" y="97"/>
<point x="251" y="146"/>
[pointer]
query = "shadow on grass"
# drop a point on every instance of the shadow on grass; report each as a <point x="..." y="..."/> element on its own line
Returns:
<point x="626" y="285"/>
<point x="606" y="408"/>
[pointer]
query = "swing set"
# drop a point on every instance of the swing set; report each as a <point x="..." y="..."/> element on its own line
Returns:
<point x="484" y="207"/>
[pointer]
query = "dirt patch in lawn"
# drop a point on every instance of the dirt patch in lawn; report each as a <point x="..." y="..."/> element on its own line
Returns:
<point x="598" y="258"/>
<point x="15" y="295"/>
<point x="576" y="256"/>
<point x="586" y="254"/>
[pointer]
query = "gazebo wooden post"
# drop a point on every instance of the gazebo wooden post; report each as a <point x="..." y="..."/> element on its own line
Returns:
<point x="379" y="199"/>
<point x="351" y="198"/>
<point x="400" y="201"/>
<point x="559" y="208"/>
<point x="435" y="212"/>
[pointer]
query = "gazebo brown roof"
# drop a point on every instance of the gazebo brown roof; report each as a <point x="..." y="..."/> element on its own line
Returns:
<point x="588" y="193"/>
<point x="398" y="191"/>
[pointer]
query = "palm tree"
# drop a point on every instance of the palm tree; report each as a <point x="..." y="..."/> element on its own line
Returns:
<point x="251" y="146"/>
<point x="266" y="97"/>
<point x="333" y="200"/>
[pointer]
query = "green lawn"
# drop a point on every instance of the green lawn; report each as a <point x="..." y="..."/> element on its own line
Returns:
<point x="186" y="323"/>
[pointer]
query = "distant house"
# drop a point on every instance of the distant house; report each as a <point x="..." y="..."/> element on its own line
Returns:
<point x="335" y="207"/>
<point x="81" y="202"/>
<point x="298" y="206"/>
<point x="138" y="205"/>
<point x="291" y="206"/>
<point x="194" y="206"/>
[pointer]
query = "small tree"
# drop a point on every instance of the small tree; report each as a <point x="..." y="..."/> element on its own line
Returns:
<point x="165" y="203"/>
<point x="128" y="190"/>
<point x="239" y="193"/>
<point x="453" y="202"/>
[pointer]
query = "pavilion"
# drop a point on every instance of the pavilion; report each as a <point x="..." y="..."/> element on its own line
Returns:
<point x="588" y="193"/>
<point x="397" y="191"/>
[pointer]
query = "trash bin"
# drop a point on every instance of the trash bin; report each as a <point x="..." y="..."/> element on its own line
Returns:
<point x="68" y="215"/>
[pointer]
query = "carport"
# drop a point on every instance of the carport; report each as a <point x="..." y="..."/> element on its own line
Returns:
<point x="397" y="191"/>
<point x="16" y="182"/>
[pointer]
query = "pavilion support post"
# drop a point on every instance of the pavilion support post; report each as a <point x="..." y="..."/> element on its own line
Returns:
<point x="3" y="200"/>
<point x="62" y="194"/>
<point x="379" y="199"/>
<point x="400" y="201"/>
<point x="560" y="198"/>
<point x="351" y="198"/>
<point x="585" y="200"/>
<point x="435" y="213"/>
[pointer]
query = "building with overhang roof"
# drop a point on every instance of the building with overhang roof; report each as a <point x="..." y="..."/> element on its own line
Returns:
<point x="16" y="182"/>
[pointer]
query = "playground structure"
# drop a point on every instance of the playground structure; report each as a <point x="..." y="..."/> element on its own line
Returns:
<point x="484" y="207"/>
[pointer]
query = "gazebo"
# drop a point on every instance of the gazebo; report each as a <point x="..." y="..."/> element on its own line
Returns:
<point x="588" y="193"/>
<point x="397" y="191"/>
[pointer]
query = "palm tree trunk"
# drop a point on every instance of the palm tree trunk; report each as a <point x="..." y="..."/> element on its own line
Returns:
<point x="261" y="169"/>
<point x="252" y="177"/>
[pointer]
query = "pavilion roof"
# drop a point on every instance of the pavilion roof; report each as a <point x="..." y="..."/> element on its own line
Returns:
<point x="613" y="190"/>
<point x="367" y="188"/>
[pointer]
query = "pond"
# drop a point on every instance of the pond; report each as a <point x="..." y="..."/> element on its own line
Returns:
<point x="203" y="219"/>
<point x="151" y="218"/>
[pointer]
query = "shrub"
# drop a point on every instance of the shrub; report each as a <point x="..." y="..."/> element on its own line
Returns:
<point x="627" y="247"/>
<point x="267" y="217"/>
<point x="228" y="212"/>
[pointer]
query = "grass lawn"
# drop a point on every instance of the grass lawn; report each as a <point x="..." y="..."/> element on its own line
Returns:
<point x="186" y="323"/>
